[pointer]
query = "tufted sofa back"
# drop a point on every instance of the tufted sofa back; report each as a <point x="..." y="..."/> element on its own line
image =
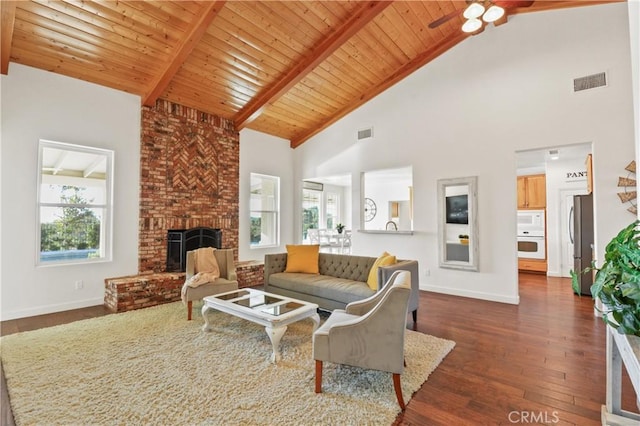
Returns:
<point x="336" y="265"/>
<point x="354" y="268"/>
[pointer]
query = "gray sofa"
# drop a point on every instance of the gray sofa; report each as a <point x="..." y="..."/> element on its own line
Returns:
<point x="342" y="279"/>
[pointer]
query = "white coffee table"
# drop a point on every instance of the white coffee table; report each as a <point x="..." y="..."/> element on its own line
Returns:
<point x="273" y="311"/>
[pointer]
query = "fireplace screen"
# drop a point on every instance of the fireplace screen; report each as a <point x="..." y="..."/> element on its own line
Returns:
<point x="180" y="241"/>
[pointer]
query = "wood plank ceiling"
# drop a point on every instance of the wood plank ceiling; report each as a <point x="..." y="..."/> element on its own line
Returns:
<point x="286" y="68"/>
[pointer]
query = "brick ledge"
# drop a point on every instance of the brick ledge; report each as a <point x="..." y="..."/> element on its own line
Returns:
<point x="150" y="289"/>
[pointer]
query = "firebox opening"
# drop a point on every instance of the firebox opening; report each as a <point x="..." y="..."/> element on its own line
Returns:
<point x="180" y="241"/>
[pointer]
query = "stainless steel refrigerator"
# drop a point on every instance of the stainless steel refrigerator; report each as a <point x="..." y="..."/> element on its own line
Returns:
<point x="582" y="212"/>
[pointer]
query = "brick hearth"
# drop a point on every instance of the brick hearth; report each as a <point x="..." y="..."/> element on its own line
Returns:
<point x="140" y="291"/>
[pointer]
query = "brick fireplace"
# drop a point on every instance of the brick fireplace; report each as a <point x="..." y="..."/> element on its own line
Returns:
<point x="189" y="178"/>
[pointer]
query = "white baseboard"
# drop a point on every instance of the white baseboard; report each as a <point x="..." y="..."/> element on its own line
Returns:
<point x="472" y="294"/>
<point x="49" y="309"/>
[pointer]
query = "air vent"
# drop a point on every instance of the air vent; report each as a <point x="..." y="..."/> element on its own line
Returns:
<point x="590" y="82"/>
<point x="365" y="133"/>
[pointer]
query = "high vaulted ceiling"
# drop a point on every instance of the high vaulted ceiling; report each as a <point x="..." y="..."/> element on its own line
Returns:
<point x="286" y="68"/>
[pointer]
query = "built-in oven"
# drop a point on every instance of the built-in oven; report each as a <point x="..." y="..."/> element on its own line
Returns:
<point x="531" y="245"/>
<point x="531" y="234"/>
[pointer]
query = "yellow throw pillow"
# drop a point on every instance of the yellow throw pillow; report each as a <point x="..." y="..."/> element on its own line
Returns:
<point x="385" y="259"/>
<point x="303" y="258"/>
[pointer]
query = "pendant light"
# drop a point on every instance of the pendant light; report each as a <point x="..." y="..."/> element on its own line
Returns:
<point x="476" y="10"/>
<point x="493" y="14"/>
<point x="472" y="25"/>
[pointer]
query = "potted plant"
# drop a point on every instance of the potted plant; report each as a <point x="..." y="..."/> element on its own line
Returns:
<point x="339" y="228"/>
<point x="617" y="281"/>
<point x="464" y="239"/>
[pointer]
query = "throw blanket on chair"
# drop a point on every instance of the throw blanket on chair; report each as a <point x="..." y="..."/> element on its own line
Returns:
<point x="206" y="269"/>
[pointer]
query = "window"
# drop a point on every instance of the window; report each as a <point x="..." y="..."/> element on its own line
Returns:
<point x="74" y="203"/>
<point x="320" y="210"/>
<point x="332" y="209"/>
<point x="311" y="203"/>
<point x="264" y="210"/>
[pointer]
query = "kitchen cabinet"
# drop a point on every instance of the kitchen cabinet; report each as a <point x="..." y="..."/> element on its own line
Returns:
<point x="532" y="265"/>
<point x="532" y="192"/>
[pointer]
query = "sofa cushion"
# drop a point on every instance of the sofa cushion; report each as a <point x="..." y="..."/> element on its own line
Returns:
<point x="302" y="258"/>
<point x="385" y="259"/>
<point x="324" y="286"/>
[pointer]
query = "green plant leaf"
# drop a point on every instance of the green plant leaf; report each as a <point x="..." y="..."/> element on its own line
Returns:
<point x="575" y="285"/>
<point x="630" y="290"/>
<point x="617" y="282"/>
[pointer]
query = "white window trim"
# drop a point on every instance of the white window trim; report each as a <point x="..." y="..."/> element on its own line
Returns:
<point x="107" y="222"/>
<point x="276" y="212"/>
<point x="325" y="201"/>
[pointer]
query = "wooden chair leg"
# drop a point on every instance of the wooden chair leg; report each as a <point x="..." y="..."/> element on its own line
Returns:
<point x="189" y="309"/>
<point x="414" y="314"/>
<point x="398" y="388"/>
<point x="318" y="376"/>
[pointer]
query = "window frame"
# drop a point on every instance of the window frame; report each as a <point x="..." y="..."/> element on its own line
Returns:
<point x="106" y="223"/>
<point x="319" y="193"/>
<point x="276" y="212"/>
<point x="327" y="194"/>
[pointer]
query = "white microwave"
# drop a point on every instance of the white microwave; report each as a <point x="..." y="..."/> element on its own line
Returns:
<point x="530" y="220"/>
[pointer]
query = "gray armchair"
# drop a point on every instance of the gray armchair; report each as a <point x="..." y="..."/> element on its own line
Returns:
<point x="228" y="280"/>
<point x="369" y="333"/>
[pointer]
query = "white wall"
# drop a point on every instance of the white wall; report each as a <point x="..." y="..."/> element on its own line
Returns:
<point x="634" y="30"/>
<point x="269" y="155"/>
<point x="40" y="105"/>
<point x="468" y="112"/>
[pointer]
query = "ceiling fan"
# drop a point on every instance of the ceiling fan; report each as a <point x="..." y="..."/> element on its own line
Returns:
<point x="478" y="11"/>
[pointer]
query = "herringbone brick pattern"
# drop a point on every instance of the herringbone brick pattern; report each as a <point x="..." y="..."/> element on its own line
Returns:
<point x="194" y="162"/>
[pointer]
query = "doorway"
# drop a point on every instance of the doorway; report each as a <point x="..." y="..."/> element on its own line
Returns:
<point x="565" y="172"/>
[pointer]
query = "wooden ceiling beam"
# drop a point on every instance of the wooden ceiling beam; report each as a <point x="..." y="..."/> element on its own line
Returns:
<point x="8" y="11"/>
<point x="365" y="14"/>
<point x="411" y="66"/>
<point x="206" y="16"/>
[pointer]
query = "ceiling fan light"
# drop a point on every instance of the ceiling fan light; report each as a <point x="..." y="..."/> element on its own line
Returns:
<point x="472" y="25"/>
<point x="475" y="10"/>
<point x="493" y="14"/>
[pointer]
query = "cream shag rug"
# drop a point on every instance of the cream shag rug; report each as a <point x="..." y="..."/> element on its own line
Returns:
<point x="152" y="366"/>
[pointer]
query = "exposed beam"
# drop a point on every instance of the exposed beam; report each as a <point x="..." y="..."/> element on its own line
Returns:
<point x="8" y="10"/>
<point x="57" y="167"/>
<point x="209" y="11"/>
<point x="411" y="66"/>
<point x="367" y="12"/>
<point x="94" y="165"/>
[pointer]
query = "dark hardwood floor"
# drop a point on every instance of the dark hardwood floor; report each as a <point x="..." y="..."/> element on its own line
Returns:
<point x="540" y="362"/>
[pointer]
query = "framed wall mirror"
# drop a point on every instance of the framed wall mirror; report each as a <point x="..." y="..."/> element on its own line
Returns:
<point x="458" y="223"/>
<point x="387" y="204"/>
